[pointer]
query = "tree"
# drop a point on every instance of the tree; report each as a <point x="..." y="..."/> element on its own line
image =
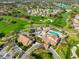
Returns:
<point x="2" y="35"/>
<point x="28" y="17"/>
<point x="1" y="19"/>
<point x="13" y="22"/>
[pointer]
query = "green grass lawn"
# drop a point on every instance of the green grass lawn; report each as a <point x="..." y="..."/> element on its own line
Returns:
<point x="59" y="21"/>
<point x="65" y="50"/>
<point x="77" y="51"/>
<point x="6" y="26"/>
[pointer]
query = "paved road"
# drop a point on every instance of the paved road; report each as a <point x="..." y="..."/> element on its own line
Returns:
<point x="30" y="50"/>
<point x="35" y="46"/>
<point x="55" y="54"/>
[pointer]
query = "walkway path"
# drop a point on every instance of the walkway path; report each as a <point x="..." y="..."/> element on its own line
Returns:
<point x="73" y="50"/>
<point x="30" y="50"/>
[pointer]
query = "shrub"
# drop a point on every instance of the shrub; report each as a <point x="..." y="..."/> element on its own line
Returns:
<point x="1" y="19"/>
<point x="2" y="35"/>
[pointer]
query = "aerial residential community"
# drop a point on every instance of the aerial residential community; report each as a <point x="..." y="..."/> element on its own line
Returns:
<point x="39" y="29"/>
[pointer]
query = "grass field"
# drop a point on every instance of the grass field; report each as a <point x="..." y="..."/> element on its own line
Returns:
<point x="6" y="25"/>
<point x="58" y="21"/>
